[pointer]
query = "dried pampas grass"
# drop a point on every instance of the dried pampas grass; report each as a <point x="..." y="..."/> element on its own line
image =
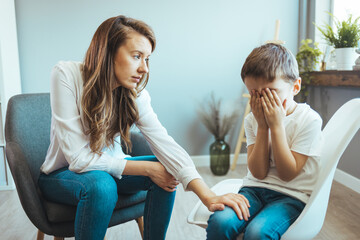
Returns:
<point x="210" y="116"/>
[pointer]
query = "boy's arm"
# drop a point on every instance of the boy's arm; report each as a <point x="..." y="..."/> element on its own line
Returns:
<point x="288" y="163"/>
<point x="258" y="153"/>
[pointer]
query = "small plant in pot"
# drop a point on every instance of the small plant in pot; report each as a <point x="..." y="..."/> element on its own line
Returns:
<point x="308" y="58"/>
<point x="219" y="125"/>
<point x="344" y="40"/>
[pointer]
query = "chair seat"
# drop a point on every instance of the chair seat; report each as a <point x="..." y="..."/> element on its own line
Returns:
<point x="57" y="212"/>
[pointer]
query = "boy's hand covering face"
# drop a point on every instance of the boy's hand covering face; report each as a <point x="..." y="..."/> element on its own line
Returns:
<point x="257" y="109"/>
<point x="274" y="110"/>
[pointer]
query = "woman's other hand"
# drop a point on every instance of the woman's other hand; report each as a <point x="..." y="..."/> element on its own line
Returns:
<point x="161" y="177"/>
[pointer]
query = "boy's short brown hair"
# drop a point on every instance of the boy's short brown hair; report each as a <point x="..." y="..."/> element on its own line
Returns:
<point x="271" y="61"/>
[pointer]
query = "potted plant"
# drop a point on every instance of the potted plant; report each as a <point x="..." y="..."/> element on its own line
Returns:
<point x="344" y="40"/>
<point x="219" y="125"/>
<point x="308" y="59"/>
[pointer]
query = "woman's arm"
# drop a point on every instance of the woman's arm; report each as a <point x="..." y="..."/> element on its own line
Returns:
<point x="173" y="157"/>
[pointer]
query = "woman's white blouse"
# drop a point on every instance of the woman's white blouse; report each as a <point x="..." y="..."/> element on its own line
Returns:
<point x="69" y="146"/>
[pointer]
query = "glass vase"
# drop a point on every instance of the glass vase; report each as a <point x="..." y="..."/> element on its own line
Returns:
<point x="219" y="157"/>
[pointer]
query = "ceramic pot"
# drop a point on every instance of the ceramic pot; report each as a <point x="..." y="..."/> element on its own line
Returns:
<point x="345" y="58"/>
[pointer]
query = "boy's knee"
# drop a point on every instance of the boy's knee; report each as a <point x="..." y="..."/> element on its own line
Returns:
<point x="259" y="232"/>
<point x="223" y="225"/>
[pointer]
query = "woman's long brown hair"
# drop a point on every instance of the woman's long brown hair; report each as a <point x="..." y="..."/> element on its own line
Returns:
<point x="107" y="111"/>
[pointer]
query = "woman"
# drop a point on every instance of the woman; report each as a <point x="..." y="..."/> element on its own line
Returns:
<point x="94" y="104"/>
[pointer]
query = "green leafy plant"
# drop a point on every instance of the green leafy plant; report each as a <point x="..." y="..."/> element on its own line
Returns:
<point x="307" y="57"/>
<point x="347" y="35"/>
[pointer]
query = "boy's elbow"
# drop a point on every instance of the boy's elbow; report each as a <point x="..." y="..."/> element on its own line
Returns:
<point x="287" y="177"/>
<point x="259" y="175"/>
<point x="258" y="172"/>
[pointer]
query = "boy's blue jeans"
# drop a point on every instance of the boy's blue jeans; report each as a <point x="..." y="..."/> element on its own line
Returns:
<point x="271" y="214"/>
<point x="96" y="192"/>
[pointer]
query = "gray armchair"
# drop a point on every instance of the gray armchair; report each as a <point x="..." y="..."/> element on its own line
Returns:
<point x="27" y="133"/>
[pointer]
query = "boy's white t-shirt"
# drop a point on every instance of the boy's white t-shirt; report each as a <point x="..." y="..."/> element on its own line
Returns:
<point x="304" y="136"/>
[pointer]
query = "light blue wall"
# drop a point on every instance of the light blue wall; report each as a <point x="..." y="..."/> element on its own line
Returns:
<point x="201" y="47"/>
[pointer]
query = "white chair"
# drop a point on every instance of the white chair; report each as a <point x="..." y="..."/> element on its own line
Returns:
<point x="338" y="133"/>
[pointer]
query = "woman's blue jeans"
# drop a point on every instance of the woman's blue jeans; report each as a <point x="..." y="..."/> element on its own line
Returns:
<point x="95" y="194"/>
<point x="271" y="214"/>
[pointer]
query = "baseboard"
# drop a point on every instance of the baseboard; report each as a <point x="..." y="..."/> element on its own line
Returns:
<point x="204" y="160"/>
<point x="7" y="188"/>
<point x="347" y="180"/>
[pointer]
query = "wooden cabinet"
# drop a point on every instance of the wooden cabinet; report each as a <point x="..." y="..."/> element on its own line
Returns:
<point x="335" y="78"/>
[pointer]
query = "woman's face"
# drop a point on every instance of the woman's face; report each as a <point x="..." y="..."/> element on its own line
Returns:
<point x="130" y="61"/>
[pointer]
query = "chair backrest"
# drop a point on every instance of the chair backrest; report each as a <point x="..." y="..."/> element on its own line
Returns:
<point x="337" y="133"/>
<point x="28" y="120"/>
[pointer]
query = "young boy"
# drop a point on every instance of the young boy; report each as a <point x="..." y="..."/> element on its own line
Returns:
<point x="283" y="147"/>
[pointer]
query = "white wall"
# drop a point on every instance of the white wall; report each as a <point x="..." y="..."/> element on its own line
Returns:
<point x="201" y="48"/>
<point x="9" y="75"/>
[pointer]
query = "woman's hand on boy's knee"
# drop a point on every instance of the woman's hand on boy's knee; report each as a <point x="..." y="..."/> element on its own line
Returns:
<point x="237" y="202"/>
<point x="162" y="178"/>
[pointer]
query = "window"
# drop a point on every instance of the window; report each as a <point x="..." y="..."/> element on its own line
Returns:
<point x="342" y="8"/>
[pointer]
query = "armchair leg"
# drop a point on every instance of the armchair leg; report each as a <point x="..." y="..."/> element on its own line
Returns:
<point x="58" y="238"/>
<point x="40" y="235"/>
<point x="140" y="222"/>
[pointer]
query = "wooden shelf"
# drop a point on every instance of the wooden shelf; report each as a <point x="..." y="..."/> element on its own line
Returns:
<point x="335" y="78"/>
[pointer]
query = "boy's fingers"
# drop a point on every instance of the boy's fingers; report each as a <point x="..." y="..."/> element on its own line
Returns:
<point x="258" y="104"/>
<point x="264" y="105"/>
<point x="276" y="97"/>
<point x="267" y="97"/>
<point x="270" y="97"/>
<point x="252" y="99"/>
